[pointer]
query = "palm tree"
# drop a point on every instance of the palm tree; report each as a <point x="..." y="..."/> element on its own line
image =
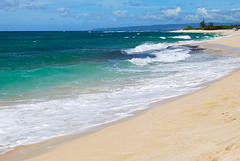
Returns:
<point x="202" y="24"/>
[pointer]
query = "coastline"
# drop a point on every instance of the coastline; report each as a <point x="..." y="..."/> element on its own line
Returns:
<point x="227" y="31"/>
<point x="136" y="139"/>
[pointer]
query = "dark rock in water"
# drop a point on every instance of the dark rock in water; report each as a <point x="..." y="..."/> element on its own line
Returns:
<point x="194" y="49"/>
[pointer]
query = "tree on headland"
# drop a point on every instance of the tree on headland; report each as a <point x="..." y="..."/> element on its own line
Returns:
<point x="210" y="24"/>
<point x="189" y="27"/>
<point x="202" y="24"/>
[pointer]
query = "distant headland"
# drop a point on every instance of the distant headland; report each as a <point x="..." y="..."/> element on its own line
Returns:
<point x="171" y="27"/>
<point x="210" y="26"/>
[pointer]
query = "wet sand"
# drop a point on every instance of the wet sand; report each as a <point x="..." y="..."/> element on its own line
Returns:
<point x="201" y="126"/>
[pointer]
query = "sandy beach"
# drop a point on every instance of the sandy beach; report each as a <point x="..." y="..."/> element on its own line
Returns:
<point x="230" y="31"/>
<point x="201" y="126"/>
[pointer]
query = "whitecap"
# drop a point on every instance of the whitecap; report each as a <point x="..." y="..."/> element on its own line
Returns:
<point x="138" y="61"/>
<point x="182" y="37"/>
<point x="163" y="56"/>
<point x="69" y="115"/>
<point x="146" y="47"/>
<point x="162" y="37"/>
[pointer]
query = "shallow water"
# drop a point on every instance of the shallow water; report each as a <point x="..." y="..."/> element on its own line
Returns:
<point x="59" y="83"/>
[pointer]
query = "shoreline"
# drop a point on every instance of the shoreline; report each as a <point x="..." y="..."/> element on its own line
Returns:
<point x="113" y="141"/>
<point x="226" y="31"/>
<point x="23" y="152"/>
<point x="120" y="123"/>
<point x="29" y="151"/>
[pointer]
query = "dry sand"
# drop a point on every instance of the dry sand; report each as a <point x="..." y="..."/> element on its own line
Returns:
<point x="201" y="126"/>
<point x="232" y="41"/>
<point x="230" y="31"/>
<point x="228" y="41"/>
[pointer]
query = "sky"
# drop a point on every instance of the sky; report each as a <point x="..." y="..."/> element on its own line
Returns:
<point x="29" y="15"/>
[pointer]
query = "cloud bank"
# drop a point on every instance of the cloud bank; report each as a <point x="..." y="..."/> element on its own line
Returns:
<point x="114" y="13"/>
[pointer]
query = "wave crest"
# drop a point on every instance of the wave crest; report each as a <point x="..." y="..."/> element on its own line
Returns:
<point x="162" y="37"/>
<point x="163" y="56"/>
<point x="182" y="37"/>
<point x="146" y="47"/>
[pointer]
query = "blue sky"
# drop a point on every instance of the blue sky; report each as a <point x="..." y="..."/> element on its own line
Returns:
<point x="89" y="14"/>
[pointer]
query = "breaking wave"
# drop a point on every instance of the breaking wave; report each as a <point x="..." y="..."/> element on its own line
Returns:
<point x="161" y="52"/>
<point x="163" y="56"/>
<point x="162" y="37"/>
<point x="182" y="37"/>
<point x="146" y="47"/>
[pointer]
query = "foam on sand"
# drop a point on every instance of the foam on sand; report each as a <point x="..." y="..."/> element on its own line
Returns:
<point x="205" y="123"/>
<point x="157" y="71"/>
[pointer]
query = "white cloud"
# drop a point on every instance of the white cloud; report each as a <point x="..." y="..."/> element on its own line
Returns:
<point x="164" y="14"/>
<point x="11" y="5"/>
<point x="63" y="11"/>
<point x="176" y="15"/>
<point x="202" y="11"/>
<point x="236" y="9"/>
<point x="84" y="14"/>
<point x="120" y="13"/>
<point x="215" y="10"/>
<point x="172" y="12"/>
<point x="191" y="17"/>
<point x="150" y="16"/>
<point x="216" y="15"/>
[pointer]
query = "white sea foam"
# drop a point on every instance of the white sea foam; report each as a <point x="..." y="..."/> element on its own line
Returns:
<point x="38" y="121"/>
<point x="146" y="47"/>
<point x="182" y="37"/>
<point x="163" y="56"/>
<point x="162" y="37"/>
<point x="164" y="77"/>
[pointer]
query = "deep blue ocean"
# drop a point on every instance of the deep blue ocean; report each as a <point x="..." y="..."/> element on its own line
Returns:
<point x="59" y="83"/>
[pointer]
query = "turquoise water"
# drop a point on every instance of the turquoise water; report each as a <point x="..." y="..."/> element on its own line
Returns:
<point x="58" y="83"/>
<point x="31" y="62"/>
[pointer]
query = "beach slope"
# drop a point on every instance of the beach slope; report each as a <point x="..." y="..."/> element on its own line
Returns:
<point x="201" y="126"/>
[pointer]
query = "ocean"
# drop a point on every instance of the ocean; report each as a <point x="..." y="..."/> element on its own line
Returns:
<point x="61" y="83"/>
